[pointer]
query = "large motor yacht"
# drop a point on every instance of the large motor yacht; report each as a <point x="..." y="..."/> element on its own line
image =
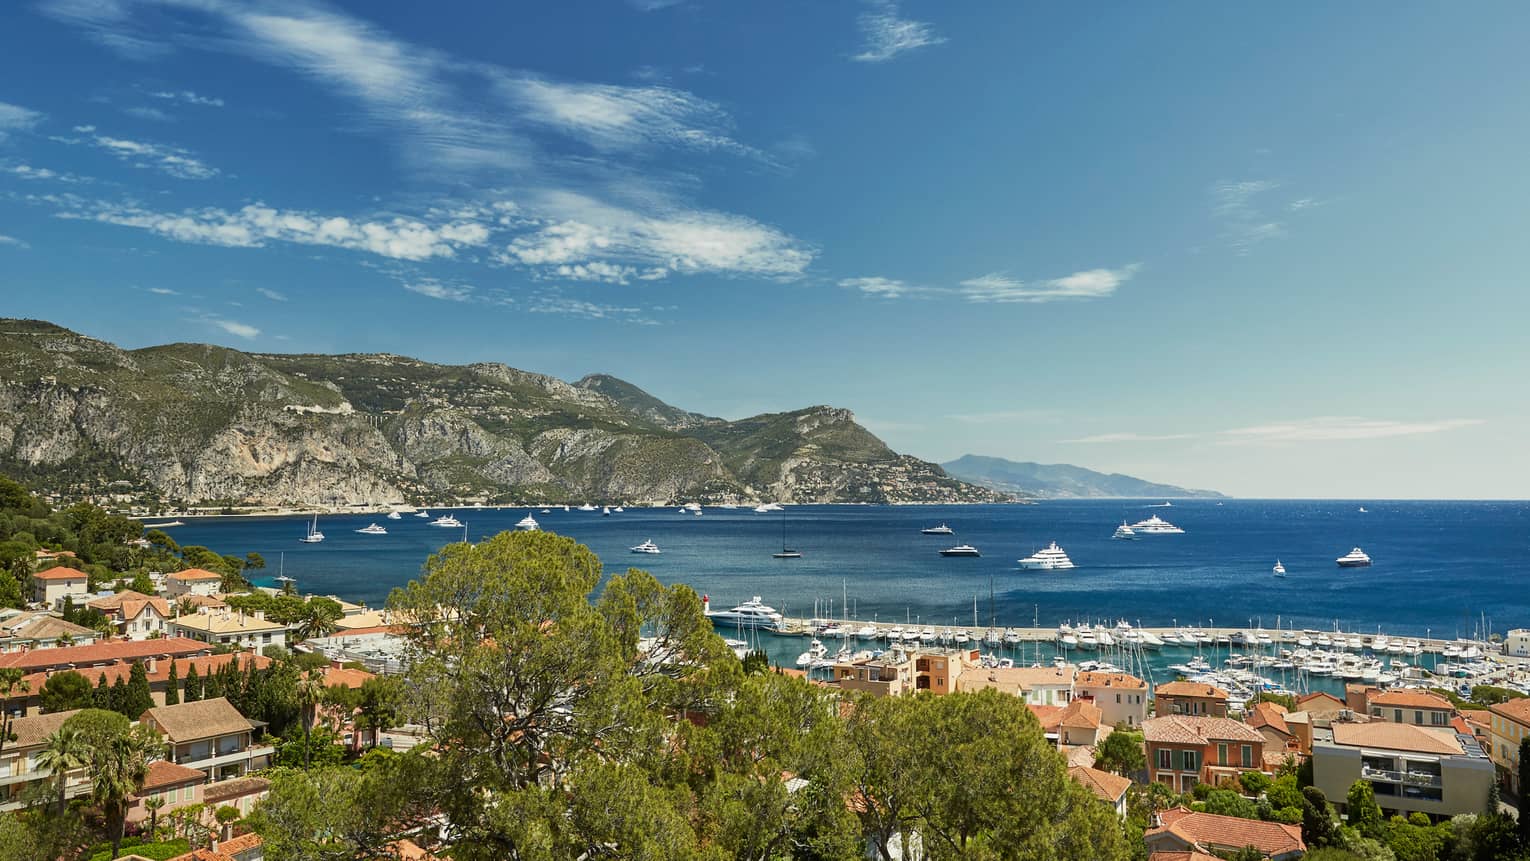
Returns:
<point x="527" y="523"/>
<point x="1354" y="559"/>
<point x="1048" y="558"/>
<point x="961" y="550"/>
<point x="750" y="614"/>
<point x="942" y="529"/>
<point x="647" y="546"/>
<point x="372" y="529"/>
<point x="446" y="520"/>
<point x="1156" y="525"/>
<point x="1125" y="533"/>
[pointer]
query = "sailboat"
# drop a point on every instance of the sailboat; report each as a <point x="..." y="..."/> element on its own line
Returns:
<point x="786" y="552"/>
<point x="314" y="536"/>
<point x="1280" y="570"/>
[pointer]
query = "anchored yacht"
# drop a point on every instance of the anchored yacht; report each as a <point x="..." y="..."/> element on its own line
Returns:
<point x="961" y="550"/>
<point x="586" y="507"/>
<point x="422" y="513"/>
<point x="942" y="529"/>
<point x="1047" y="559"/>
<point x="394" y="515"/>
<point x="647" y="546"/>
<point x="372" y="529"/>
<point x="446" y="520"/>
<point x="1125" y="533"/>
<point x="1280" y="570"/>
<point x="1354" y="559"/>
<point x="314" y="536"/>
<point x="527" y="523"/>
<point x="1156" y="525"/>
<point x="750" y="614"/>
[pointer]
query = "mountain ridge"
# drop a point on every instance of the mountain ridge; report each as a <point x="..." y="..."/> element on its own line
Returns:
<point x="199" y="423"/>
<point x="1027" y="478"/>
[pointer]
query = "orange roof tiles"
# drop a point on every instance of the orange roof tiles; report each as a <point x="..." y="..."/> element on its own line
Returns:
<point x="350" y="678"/>
<point x="1272" y="715"/>
<point x="1049" y="716"/>
<point x="1515" y="710"/>
<point x="1398" y="736"/>
<point x="1109" y="680"/>
<point x="1213" y="831"/>
<point x="162" y="774"/>
<point x="1189" y="689"/>
<point x="242" y="843"/>
<point x="196" y="575"/>
<point x="1081" y="714"/>
<point x="1197" y="729"/>
<point x="1106" y="786"/>
<point x="81" y="657"/>
<point x="1409" y="699"/>
<point x="60" y="573"/>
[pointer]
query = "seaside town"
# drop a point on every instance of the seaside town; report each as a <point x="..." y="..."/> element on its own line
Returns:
<point x="156" y="705"/>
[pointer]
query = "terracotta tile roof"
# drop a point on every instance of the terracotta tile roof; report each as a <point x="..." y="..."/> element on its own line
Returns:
<point x="162" y="773"/>
<point x="1320" y="696"/>
<point x="1079" y="754"/>
<point x="1109" y="680"/>
<point x="130" y="604"/>
<point x="1398" y="736"/>
<point x="196" y="575"/>
<point x="60" y="573"/>
<point x="201" y="719"/>
<point x="1081" y="714"/>
<point x="346" y="677"/>
<point x="242" y="843"/>
<point x="203" y="855"/>
<point x="377" y="629"/>
<point x="1050" y="716"/>
<point x="1410" y="700"/>
<point x="1213" y="831"/>
<point x="1106" y="786"/>
<point x="1191" y="855"/>
<point x="226" y="622"/>
<point x="211" y="602"/>
<point x="1197" y="729"/>
<point x="100" y="653"/>
<point x="408" y="850"/>
<point x="1189" y="689"/>
<point x="33" y="731"/>
<point x="1515" y="710"/>
<point x="238" y="787"/>
<point x="1272" y="715"/>
<point x="205" y="665"/>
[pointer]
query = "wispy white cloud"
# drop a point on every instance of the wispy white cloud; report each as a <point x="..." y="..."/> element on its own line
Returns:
<point x="255" y="225"/>
<point x="41" y="174"/>
<point x="163" y="291"/>
<point x="188" y="97"/>
<point x="12" y="242"/>
<point x="437" y="290"/>
<point x="148" y="113"/>
<point x="233" y="327"/>
<point x="1244" y="209"/>
<point x="273" y="295"/>
<point x="554" y="304"/>
<point x="1318" y="429"/>
<point x="885" y="35"/>
<point x="109" y="23"/>
<point x="1088" y="284"/>
<point x="1006" y="416"/>
<point x="876" y="285"/>
<point x="172" y="160"/>
<point x="653" y="5"/>
<point x="17" y="118"/>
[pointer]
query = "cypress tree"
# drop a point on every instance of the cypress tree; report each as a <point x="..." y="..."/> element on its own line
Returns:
<point x="118" y="695"/>
<point x="212" y="685"/>
<point x="139" y="700"/>
<point x="101" y="697"/>
<point x="193" y="684"/>
<point x="172" y="687"/>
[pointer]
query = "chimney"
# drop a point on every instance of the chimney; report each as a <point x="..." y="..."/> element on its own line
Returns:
<point x="260" y="615"/>
<point x="149" y="666"/>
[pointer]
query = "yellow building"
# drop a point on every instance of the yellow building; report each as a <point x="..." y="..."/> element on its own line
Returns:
<point x="1511" y="722"/>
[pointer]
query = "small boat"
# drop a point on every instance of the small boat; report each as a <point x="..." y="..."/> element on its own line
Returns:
<point x="546" y="511"/>
<point x="961" y="550"/>
<point x="786" y="552"/>
<point x="446" y="520"/>
<point x="1280" y="570"/>
<point x="394" y="515"/>
<point x="422" y="513"/>
<point x="606" y="511"/>
<point x="314" y="536"/>
<point x="1125" y="533"/>
<point x="586" y="507"/>
<point x="942" y="529"/>
<point x="618" y="509"/>
<point x="1363" y="511"/>
<point x="816" y="651"/>
<point x="372" y="529"/>
<point x="527" y="523"/>
<point x="647" y="546"/>
<point x="1048" y="558"/>
<point x="166" y="525"/>
<point x="1354" y="559"/>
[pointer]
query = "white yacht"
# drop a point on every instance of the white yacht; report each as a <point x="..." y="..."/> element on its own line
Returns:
<point x="942" y="529"/>
<point x="618" y="509"/>
<point x="1048" y="558"/>
<point x="692" y="507"/>
<point x="527" y="523"/>
<point x="816" y="651"/>
<point x="647" y="546"/>
<point x="1125" y="533"/>
<point x="1280" y="570"/>
<point x="1354" y="559"/>
<point x="372" y="529"/>
<point x="961" y="550"/>
<point x="394" y="515"/>
<point x="605" y="511"/>
<point x="314" y="536"/>
<point x="586" y="507"/>
<point x="750" y="614"/>
<point x="1156" y="525"/>
<point x="446" y="520"/>
<point x="767" y="507"/>
<point x="422" y="513"/>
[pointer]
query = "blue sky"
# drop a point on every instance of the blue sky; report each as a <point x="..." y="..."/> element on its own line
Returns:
<point x="1275" y="252"/>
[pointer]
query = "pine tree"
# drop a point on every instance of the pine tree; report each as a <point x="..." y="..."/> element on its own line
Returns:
<point x="193" y="685"/>
<point x="139" y="700"/>
<point x="172" y="687"/>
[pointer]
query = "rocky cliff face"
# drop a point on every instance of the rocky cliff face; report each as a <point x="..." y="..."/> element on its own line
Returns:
<point x="197" y="423"/>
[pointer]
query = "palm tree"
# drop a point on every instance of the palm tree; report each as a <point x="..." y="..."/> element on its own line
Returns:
<point x="120" y="767"/>
<point x="65" y="751"/>
<point x="152" y="804"/>
<point x="310" y="692"/>
<point x="318" y="620"/>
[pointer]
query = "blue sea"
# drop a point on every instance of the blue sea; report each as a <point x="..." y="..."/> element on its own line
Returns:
<point x="1439" y="567"/>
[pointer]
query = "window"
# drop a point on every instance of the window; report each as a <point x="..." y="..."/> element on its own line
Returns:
<point x="1221" y="754"/>
<point x="1396" y="715"/>
<point x="1118" y="699"/>
<point x="1189" y="760"/>
<point x="1248" y="756"/>
<point x="1437" y="718"/>
<point x="1164" y="759"/>
<point x="1418" y="717"/>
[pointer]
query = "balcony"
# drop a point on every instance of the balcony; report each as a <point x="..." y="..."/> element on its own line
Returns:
<point x="238" y="756"/>
<point x="1411" y="778"/>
